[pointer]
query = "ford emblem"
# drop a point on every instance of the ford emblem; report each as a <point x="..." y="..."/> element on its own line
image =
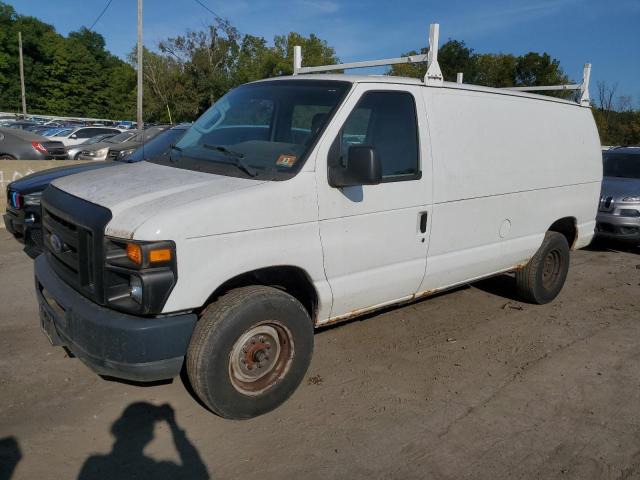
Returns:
<point x="56" y="243"/>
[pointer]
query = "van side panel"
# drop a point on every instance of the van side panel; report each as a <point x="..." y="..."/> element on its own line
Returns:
<point x="505" y="169"/>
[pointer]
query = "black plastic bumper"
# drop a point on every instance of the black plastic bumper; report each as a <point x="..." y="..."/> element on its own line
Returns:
<point x="14" y="225"/>
<point x="109" y="342"/>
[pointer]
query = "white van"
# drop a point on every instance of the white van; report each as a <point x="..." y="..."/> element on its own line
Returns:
<point x="303" y="201"/>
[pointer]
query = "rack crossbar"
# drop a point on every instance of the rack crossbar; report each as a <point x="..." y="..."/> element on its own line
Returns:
<point x="434" y="76"/>
<point x="365" y="64"/>
<point x="546" y="88"/>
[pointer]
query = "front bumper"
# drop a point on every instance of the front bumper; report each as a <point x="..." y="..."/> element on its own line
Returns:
<point x="618" y="227"/>
<point x="28" y="234"/>
<point x="14" y="222"/>
<point x="109" y="342"/>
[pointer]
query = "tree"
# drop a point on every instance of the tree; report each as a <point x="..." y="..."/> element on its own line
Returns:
<point x="453" y="57"/>
<point x="67" y="76"/>
<point x="489" y="69"/>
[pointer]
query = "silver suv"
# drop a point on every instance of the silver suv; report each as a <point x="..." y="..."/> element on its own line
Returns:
<point x="619" y="210"/>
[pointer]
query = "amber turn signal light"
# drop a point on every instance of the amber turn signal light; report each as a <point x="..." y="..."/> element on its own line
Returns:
<point x="159" y="255"/>
<point x="134" y="253"/>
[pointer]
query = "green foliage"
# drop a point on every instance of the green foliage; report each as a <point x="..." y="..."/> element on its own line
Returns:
<point x="488" y="69"/>
<point x="72" y="76"/>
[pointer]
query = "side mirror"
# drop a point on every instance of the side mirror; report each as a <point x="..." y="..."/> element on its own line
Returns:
<point x="74" y="136"/>
<point x="363" y="168"/>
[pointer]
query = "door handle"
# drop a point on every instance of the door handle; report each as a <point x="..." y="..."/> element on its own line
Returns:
<point x="424" y="216"/>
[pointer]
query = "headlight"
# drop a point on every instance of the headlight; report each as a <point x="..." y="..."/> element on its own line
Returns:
<point x="139" y="276"/>
<point x="125" y="153"/>
<point x="98" y="153"/>
<point x="32" y="199"/>
<point x="635" y="199"/>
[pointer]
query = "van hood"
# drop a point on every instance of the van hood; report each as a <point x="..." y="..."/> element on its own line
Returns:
<point x="136" y="192"/>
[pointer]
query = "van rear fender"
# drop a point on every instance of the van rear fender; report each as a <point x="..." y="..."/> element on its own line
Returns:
<point x="567" y="226"/>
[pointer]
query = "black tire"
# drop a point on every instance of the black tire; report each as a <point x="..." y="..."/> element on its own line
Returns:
<point x="4" y="156"/>
<point x="221" y="355"/>
<point x="541" y="280"/>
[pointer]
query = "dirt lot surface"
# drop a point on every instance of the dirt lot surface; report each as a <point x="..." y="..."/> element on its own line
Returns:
<point x="469" y="384"/>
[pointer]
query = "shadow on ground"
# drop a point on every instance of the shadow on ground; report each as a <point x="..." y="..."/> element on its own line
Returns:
<point x="133" y="431"/>
<point x="501" y="285"/>
<point x="613" y="246"/>
<point x="10" y="456"/>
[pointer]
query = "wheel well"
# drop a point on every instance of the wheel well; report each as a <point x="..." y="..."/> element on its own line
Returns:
<point x="568" y="227"/>
<point x="292" y="280"/>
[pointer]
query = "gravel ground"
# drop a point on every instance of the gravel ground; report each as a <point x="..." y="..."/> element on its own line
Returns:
<point x="468" y="384"/>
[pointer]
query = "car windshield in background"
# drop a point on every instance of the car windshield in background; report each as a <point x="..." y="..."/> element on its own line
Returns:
<point x="262" y="129"/>
<point x="622" y="165"/>
<point x="157" y="146"/>
<point x="64" y="132"/>
<point x="121" y="137"/>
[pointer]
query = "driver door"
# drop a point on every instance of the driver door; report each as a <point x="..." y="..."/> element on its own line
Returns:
<point x="375" y="237"/>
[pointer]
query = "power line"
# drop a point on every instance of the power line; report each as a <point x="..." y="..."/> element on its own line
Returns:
<point x="208" y="9"/>
<point x="101" y="14"/>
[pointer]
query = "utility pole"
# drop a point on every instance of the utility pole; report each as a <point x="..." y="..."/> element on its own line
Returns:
<point x="24" y="99"/>
<point x="140" y="54"/>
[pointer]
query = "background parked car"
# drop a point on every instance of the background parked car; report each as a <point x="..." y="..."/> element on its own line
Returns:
<point x="22" y="125"/>
<point x="123" y="150"/>
<point x="23" y="218"/>
<point x="56" y="132"/>
<point x="160" y="144"/>
<point x="619" y="210"/>
<point x="16" y="144"/>
<point x="73" y="151"/>
<point x="98" y="151"/>
<point x="81" y="134"/>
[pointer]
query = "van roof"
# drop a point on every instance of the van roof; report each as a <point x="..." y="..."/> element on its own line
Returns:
<point x="388" y="79"/>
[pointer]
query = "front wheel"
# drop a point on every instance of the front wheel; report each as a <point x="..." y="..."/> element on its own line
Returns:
<point x="541" y="280"/>
<point x="249" y="352"/>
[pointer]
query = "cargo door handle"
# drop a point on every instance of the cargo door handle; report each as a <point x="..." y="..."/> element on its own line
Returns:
<point x="424" y="216"/>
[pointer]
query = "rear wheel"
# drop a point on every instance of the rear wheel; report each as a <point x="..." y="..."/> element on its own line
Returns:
<point x="249" y="352"/>
<point x="544" y="276"/>
<point x="5" y="156"/>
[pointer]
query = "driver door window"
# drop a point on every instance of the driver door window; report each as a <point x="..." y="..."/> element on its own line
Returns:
<point x="387" y="122"/>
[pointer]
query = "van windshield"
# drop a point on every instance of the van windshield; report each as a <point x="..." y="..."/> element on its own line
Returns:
<point x="263" y="130"/>
<point x="624" y="165"/>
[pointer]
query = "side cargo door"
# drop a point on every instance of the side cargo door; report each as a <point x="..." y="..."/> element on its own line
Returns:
<point x="375" y="237"/>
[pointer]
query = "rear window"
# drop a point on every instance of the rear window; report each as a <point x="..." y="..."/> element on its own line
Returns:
<point x="622" y="165"/>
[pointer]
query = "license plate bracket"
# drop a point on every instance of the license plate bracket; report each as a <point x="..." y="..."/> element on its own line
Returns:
<point x="47" y="323"/>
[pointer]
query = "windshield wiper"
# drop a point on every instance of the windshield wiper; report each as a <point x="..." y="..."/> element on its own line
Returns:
<point x="237" y="157"/>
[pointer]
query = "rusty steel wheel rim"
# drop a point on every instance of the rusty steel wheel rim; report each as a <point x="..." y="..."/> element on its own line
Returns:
<point x="551" y="269"/>
<point x="260" y="358"/>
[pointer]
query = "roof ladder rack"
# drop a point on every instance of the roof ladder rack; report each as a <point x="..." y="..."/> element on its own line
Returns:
<point x="433" y="76"/>
<point x="583" y="87"/>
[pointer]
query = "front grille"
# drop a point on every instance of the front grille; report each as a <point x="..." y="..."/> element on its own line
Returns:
<point x="113" y="155"/>
<point x="69" y="247"/>
<point x="72" y="237"/>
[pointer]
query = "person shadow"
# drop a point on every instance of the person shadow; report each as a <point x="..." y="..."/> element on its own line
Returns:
<point x="10" y="456"/>
<point x="133" y="431"/>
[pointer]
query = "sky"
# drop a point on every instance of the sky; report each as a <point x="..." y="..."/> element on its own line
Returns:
<point x="605" y="33"/>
